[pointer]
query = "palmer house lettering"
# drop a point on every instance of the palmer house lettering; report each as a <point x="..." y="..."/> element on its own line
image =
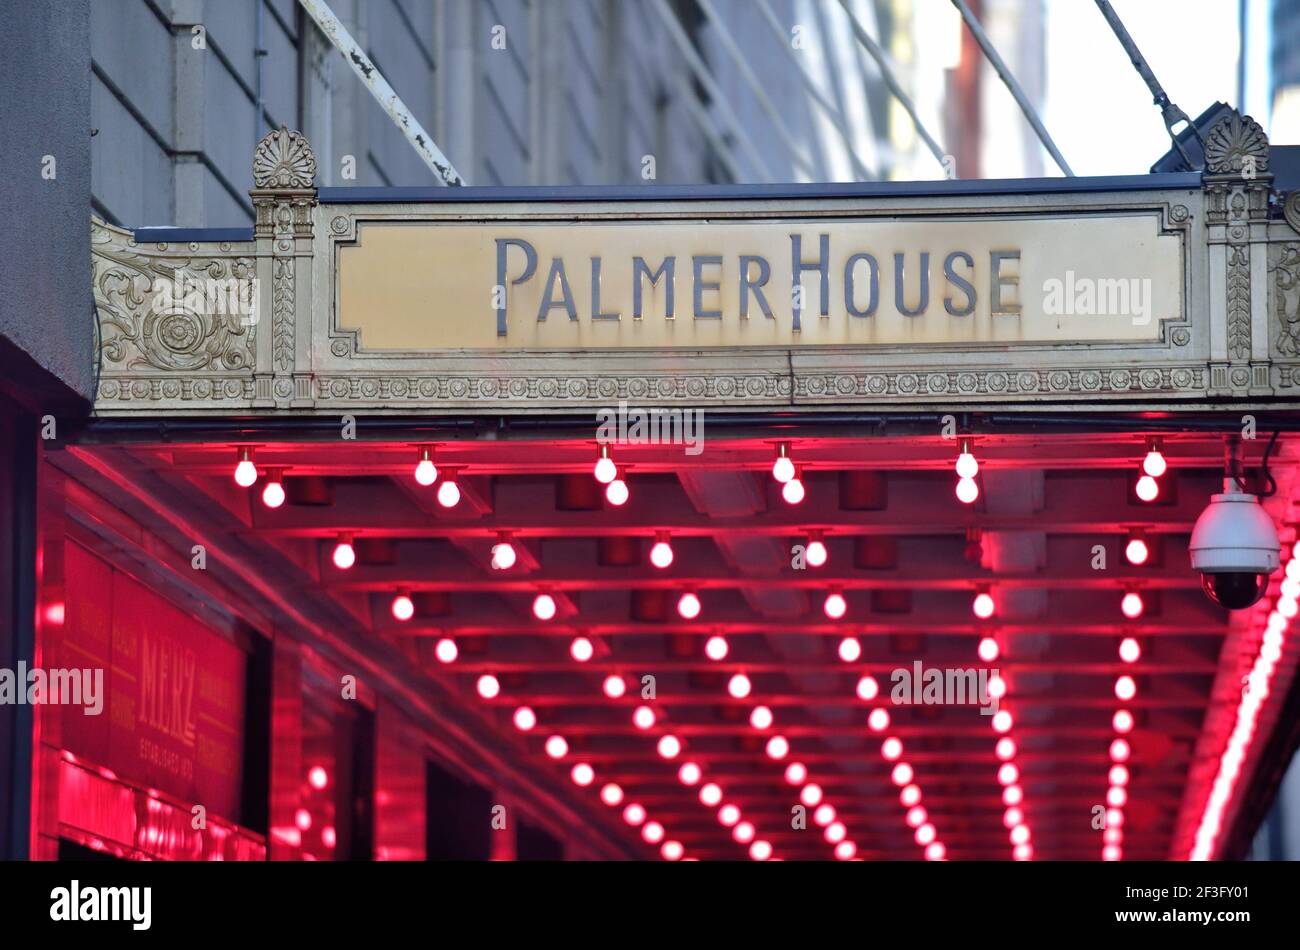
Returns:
<point x="816" y="280"/>
<point x="692" y="283"/>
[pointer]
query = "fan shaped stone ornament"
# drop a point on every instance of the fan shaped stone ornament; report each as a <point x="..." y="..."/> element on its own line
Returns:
<point x="1235" y="144"/>
<point x="284" y="160"/>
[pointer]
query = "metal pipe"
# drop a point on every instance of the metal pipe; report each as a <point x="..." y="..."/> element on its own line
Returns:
<point x="991" y="54"/>
<point x="701" y="72"/>
<point x="728" y="44"/>
<point x="192" y="429"/>
<point x="392" y="104"/>
<point x="887" y="73"/>
<point x="1171" y="114"/>
<point x="834" y="114"/>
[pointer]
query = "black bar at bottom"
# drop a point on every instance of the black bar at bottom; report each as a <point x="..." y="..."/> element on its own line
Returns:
<point x="1011" y="904"/>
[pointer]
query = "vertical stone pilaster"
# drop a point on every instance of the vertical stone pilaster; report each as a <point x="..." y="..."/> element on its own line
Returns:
<point x="189" y="106"/>
<point x="1237" y="184"/>
<point x="284" y="173"/>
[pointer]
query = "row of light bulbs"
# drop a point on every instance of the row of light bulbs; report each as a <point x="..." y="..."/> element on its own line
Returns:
<point x="582" y="773"/>
<point x="273" y="495"/>
<point x="504" y="555"/>
<point x="1131" y="605"/>
<point x="1258" y="683"/>
<point x="1013" y="796"/>
<point x="689" y="605"/>
<point x="612" y="476"/>
<point x="691" y="774"/>
<point x="786" y="473"/>
<point x="668" y="746"/>
<point x="777" y="748"/>
<point x="1130" y="651"/>
<point x="901" y="774"/>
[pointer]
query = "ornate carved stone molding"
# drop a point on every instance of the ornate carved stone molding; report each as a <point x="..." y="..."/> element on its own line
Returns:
<point x="894" y="387"/>
<point x="1286" y="291"/>
<point x="185" y="354"/>
<point x="172" y="311"/>
<point x="284" y="172"/>
<point x="1237" y="145"/>
<point x="1291" y="210"/>
<point x="284" y="161"/>
<point x="284" y="202"/>
<point x="1238" y="186"/>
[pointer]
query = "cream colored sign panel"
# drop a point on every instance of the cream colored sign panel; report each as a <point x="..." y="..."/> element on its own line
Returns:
<point x="430" y="286"/>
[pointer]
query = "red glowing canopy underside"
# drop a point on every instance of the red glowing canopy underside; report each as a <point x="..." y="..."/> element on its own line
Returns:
<point x="766" y="684"/>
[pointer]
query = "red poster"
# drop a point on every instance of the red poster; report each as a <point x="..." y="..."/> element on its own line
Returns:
<point x="173" y="713"/>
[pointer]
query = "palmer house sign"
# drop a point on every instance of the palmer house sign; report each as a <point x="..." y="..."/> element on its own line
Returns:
<point x="1176" y="291"/>
<point x="923" y="280"/>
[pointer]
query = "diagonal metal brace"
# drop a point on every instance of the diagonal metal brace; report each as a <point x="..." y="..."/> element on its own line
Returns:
<point x="392" y="104"/>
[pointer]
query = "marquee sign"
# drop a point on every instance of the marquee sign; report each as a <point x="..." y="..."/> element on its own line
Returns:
<point x="1159" y="291"/>
<point x="792" y="282"/>
<point x="173" y="716"/>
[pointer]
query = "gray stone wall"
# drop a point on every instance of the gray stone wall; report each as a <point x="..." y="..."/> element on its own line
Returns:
<point x="581" y="93"/>
<point x="45" y="158"/>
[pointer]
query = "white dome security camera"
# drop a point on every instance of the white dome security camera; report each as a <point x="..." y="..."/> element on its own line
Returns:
<point x="1234" y="546"/>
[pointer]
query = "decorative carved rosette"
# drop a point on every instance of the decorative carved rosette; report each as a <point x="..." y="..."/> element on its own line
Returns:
<point x="171" y="314"/>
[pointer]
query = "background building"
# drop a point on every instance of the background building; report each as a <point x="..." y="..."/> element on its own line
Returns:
<point x="1284" y="63"/>
<point x="521" y="92"/>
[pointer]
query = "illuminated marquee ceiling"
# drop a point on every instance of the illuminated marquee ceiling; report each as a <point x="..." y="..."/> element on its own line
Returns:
<point x="907" y="555"/>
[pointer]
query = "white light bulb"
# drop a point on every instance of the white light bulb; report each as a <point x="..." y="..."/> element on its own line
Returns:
<point x="616" y="492"/>
<point x="245" y="473"/>
<point x="815" y="553"/>
<point x="688" y="606"/>
<point x="661" y="554"/>
<point x="344" y="555"/>
<point x="543" y="606"/>
<point x="273" y="494"/>
<point x="426" y="473"/>
<point x="503" y="556"/>
<point x="449" y="494"/>
<point x="783" y="469"/>
<point x="605" y="470"/>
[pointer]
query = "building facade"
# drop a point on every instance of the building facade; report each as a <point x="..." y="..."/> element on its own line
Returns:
<point x="316" y="485"/>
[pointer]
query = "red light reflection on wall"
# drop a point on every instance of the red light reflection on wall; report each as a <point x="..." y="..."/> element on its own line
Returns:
<point x="135" y="823"/>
